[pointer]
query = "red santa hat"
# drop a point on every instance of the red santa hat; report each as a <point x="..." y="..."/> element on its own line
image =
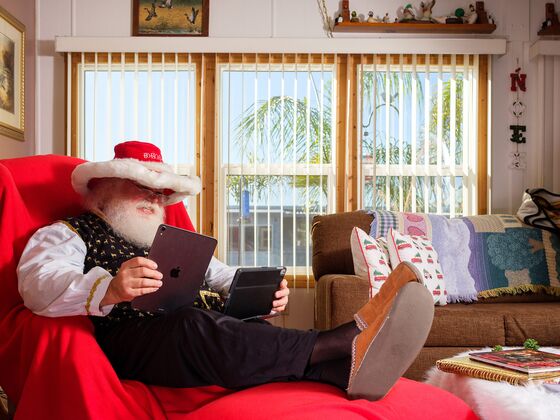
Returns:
<point x="142" y="163"/>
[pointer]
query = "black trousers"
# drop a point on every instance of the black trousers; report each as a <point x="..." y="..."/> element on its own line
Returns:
<point x="194" y="347"/>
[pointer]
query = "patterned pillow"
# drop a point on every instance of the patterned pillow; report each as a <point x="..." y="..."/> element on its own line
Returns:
<point x="419" y="251"/>
<point x="371" y="259"/>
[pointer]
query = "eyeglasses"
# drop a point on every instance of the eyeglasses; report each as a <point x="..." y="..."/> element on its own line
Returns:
<point x="161" y="195"/>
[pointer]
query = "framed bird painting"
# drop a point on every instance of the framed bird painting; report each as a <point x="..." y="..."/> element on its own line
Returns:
<point x="170" y="17"/>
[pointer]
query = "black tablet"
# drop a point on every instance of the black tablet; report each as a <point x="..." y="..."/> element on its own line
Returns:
<point x="182" y="257"/>
<point x="252" y="291"/>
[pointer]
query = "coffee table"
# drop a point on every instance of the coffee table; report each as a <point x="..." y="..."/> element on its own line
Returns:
<point x="500" y="400"/>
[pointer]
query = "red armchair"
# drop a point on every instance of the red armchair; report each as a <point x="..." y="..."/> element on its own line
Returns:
<point x="52" y="368"/>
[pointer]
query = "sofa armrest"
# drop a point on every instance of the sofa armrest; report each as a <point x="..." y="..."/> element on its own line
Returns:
<point x="330" y="235"/>
<point x="337" y="298"/>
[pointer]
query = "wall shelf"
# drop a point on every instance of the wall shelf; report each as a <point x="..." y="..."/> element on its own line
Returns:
<point x="544" y="48"/>
<point x="420" y="28"/>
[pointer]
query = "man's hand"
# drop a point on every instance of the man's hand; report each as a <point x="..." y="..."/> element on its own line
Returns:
<point x="136" y="277"/>
<point x="281" y="297"/>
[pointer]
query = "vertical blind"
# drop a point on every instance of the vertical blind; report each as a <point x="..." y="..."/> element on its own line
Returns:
<point x="279" y="138"/>
<point x="418" y="145"/>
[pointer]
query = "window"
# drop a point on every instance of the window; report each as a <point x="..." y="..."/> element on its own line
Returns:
<point x="279" y="138"/>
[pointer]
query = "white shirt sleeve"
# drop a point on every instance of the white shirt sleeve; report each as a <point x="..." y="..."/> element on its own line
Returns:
<point x="51" y="276"/>
<point x="219" y="276"/>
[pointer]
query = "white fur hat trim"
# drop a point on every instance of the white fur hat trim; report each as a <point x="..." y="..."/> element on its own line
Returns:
<point x="149" y="174"/>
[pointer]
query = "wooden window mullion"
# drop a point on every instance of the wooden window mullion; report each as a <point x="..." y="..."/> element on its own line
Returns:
<point x="482" y="145"/>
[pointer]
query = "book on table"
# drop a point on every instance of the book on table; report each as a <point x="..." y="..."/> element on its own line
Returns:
<point x="463" y="365"/>
<point x="523" y="360"/>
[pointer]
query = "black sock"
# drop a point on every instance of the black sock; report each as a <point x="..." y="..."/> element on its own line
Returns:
<point x="334" y="344"/>
<point x="333" y="372"/>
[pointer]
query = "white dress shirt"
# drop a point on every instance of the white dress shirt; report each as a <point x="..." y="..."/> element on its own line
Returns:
<point x="52" y="281"/>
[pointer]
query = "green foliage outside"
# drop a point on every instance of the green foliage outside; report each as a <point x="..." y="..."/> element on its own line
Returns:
<point x="271" y="124"/>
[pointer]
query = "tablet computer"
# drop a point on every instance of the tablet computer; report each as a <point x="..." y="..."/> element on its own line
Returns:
<point x="252" y="292"/>
<point x="182" y="257"/>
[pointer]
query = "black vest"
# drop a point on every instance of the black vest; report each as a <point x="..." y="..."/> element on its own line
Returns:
<point x="108" y="250"/>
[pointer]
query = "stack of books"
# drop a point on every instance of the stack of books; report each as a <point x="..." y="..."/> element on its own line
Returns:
<point x="516" y="366"/>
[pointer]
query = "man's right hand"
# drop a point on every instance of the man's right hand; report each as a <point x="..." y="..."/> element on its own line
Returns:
<point x="136" y="277"/>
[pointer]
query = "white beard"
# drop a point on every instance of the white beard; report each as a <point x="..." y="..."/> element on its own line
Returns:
<point x="137" y="228"/>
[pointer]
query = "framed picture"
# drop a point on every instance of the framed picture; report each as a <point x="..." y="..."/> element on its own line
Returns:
<point x="12" y="66"/>
<point x="170" y="17"/>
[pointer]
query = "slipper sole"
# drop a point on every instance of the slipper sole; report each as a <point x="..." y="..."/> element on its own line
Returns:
<point x="396" y="345"/>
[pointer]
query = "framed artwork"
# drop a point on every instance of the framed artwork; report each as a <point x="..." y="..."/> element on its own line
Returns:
<point x="12" y="67"/>
<point x="170" y="17"/>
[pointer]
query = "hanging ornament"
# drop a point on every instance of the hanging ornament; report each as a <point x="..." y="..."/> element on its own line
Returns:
<point x="517" y="108"/>
<point x="518" y="80"/>
<point x="517" y="135"/>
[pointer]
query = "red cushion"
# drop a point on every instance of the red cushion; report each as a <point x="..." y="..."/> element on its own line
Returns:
<point x="307" y="401"/>
<point x="53" y="368"/>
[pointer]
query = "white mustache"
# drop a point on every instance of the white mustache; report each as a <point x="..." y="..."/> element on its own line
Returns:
<point x="146" y="205"/>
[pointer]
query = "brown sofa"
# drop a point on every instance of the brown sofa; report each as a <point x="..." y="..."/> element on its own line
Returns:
<point x="507" y="320"/>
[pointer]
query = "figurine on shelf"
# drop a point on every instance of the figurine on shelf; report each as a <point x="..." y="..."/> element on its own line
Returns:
<point x="491" y="19"/>
<point x="370" y="18"/>
<point x="551" y="25"/>
<point x="354" y="17"/>
<point x="456" y="18"/>
<point x="426" y="9"/>
<point x="339" y="19"/>
<point x="481" y="13"/>
<point x="345" y="10"/>
<point x="472" y="16"/>
<point x="408" y="13"/>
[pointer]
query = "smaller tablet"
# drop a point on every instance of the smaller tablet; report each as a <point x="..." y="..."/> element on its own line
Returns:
<point x="252" y="292"/>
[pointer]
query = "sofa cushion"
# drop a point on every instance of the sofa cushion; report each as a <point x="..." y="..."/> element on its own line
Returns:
<point x="499" y="323"/>
<point x="466" y="325"/>
<point x="455" y="325"/>
<point x="540" y="321"/>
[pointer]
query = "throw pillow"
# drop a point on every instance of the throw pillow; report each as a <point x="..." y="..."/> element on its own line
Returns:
<point x="371" y="259"/>
<point x="419" y="251"/>
<point x="541" y="209"/>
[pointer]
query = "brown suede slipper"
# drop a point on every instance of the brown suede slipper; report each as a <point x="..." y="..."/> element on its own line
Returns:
<point x="378" y="306"/>
<point x="380" y="355"/>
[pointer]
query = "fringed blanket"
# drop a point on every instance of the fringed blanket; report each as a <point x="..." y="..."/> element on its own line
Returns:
<point x="484" y="256"/>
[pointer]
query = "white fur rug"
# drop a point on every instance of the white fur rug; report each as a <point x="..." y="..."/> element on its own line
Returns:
<point x="500" y="400"/>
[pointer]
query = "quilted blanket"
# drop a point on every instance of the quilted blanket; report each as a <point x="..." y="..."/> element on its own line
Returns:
<point x="483" y="256"/>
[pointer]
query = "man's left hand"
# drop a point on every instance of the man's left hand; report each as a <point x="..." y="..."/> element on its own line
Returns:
<point x="281" y="297"/>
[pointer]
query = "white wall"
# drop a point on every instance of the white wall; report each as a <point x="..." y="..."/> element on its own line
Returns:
<point x="517" y="20"/>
